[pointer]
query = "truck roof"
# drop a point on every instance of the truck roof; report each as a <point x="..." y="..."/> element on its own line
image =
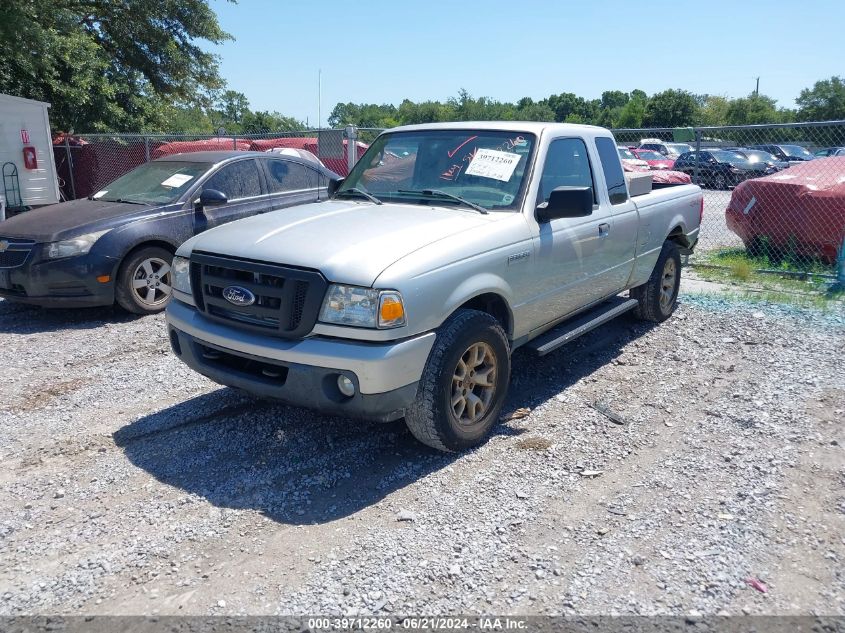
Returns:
<point x="535" y="127"/>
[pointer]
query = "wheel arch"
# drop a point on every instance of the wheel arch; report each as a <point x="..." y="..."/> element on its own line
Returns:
<point x="489" y="300"/>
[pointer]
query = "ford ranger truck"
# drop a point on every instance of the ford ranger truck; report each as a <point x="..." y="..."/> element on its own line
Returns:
<point x="446" y="248"/>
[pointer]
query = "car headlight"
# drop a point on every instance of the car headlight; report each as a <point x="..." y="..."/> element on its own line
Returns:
<point x="180" y="276"/>
<point x="76" y="246"/>
<point x="735" y="170"/>
<point x="363" y="307"/>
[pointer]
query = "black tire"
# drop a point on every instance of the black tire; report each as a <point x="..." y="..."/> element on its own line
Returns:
<point x="432" y="419"/>
<point x="126" y="294"/>
<point x="654" y="304"/>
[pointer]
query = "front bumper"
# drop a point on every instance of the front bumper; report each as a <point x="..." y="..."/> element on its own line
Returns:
<point x="303" y="372"/>
<point x="69" y="283"/>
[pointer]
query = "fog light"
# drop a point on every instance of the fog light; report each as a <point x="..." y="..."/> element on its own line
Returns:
<point x="346" y="386"/>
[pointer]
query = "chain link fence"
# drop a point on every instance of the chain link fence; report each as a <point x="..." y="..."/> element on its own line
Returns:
<point x="774" y="194"/>
<point x="85" y="163"/>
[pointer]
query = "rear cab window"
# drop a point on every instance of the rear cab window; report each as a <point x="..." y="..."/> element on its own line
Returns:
<point x="617" y="189"/>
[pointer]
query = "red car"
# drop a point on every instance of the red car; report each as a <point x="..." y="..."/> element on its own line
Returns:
<point x="801" y="209"/>
<point x="655" y="160"/>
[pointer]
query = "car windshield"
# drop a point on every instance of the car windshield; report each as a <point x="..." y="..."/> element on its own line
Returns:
<point x="758" y="156"/>
<point x="483" y="167"/>
<point x="796" y="150"/>
<point x="679" y="148"/>
<point x="158" y="182"/>
<point x="625" y="153"/>
<point x="651" y="155"/>
<point x="724" y="156"/>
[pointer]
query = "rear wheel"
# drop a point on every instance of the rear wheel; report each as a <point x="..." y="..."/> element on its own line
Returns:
<point x="464" y="383"/>
<point x="143" y="282"/>
<point x="658" y="297"/>
<point x="720" y="182"/>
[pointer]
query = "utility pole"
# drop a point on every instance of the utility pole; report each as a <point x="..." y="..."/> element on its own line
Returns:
<point x="757" y="89"/>
<point x="319" y="98"/>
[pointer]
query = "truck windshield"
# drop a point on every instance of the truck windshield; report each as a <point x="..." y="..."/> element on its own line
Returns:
<point x="158" y="182"/>
<point x="483" y="167"/>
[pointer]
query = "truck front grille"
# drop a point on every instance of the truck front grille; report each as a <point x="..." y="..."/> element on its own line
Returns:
<point x="285" y="300"/>
<point x="14" y="251"/>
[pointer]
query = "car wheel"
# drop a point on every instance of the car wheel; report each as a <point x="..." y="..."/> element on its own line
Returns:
<point x="720" y="182"/>
<point x="658" y="297"/>
<point x="143" y="283"/>
<point x="464" y="383"/>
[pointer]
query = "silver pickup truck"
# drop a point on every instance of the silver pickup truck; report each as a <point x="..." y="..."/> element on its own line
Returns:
<point x="447" y="247"/>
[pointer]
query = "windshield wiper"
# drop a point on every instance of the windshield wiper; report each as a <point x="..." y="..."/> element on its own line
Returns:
<point x="360" y="192"/>
<point x="438" y="193"/>
<point x="123" y="200"/>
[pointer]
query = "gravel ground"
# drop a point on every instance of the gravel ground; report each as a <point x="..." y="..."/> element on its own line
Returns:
<point x="131" y="485"/>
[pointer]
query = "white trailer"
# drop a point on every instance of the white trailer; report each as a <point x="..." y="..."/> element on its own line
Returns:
<point x="26" y="154"/>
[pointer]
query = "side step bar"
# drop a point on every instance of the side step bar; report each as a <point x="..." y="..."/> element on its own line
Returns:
<point x="583" y="323"/>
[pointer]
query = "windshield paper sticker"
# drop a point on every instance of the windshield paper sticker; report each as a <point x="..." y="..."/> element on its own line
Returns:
<point x="176" y="180"/>
<point x="99" y="194"/>
<point x="491" y="163"/>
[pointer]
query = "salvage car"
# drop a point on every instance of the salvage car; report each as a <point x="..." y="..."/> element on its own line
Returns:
<point x="792" y="154"/>
<point x="654" y="159"/>
<point x="800" y="210"/>
<point x="771" y="161"/>
<point x="670" y="150"/>
<point x="118" y="244"/>
<point x="404" y="296"/>
<point x="631" y="162"/>
<point x="719" y="168"/>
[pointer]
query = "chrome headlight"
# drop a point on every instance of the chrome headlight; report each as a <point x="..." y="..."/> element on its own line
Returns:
<point x="76" y="246"/>
<point x="363" y="307"/>
<point x="180" y="275"/>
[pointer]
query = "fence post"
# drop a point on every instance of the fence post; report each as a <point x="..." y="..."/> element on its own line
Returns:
<point x="351" y="146"/>
<point x="234" y="141"/>
<point x="697" y="155"/>
<point x="147" y="149"/>
<point x="840" y="267"/>
<point x="70" y="168"/>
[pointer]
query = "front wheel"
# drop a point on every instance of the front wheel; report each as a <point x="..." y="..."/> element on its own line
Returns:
<point x="658" y="297"/>
<point x="143" y="283"/>
<point x="464" y="383"/>
<point x="720" y="182"/>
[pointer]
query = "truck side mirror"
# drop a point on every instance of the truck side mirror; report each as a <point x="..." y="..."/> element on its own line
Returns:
<point x="566" y="202"/>
<point x="333" y="186"/>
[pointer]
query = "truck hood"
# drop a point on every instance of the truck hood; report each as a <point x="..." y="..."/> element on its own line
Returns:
<point x="71" y="219"/>
<point x="349" y="242"/>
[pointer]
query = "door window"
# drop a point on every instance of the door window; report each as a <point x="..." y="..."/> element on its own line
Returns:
<point x="289" y="176"/>
<point x="614" y="177"/>
<point x="567" y="165"/>
<point x="237" y="180"/>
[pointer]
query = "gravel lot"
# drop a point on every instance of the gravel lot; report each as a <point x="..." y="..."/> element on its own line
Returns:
<point x="129" y="484"/>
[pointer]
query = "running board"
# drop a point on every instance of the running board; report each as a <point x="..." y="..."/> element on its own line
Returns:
<point x="570" y="330"/>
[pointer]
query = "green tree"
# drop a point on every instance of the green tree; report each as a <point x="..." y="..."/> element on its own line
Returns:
<point x="751" y="110"/>
<point x="232" y="106"/>
<point x="825" y="101"/>
<point x="714" y="110"/>
<point x="259" y="122"/>
<point x="671" y="108"/>
<point x="109" y="65"/>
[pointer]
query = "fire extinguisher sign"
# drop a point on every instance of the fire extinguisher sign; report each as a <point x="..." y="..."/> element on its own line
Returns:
<point x="25" y="137"/>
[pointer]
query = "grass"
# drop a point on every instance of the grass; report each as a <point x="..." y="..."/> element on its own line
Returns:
<point x="786" y="279"/>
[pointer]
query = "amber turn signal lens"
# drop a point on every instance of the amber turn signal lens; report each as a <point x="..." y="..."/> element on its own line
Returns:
<point x="104" y="279"/>
<point x="391" y="310"/>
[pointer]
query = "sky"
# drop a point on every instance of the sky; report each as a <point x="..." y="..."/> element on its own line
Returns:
<point x="383" y="52"/>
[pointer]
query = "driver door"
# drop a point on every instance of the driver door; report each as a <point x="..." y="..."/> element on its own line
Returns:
<point x="571" y="252"/>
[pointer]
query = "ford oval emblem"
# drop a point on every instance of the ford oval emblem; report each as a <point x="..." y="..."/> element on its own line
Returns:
<point x="238" y="296"/>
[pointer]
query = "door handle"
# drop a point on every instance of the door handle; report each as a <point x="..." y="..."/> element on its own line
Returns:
<point x="604" y="229"/>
